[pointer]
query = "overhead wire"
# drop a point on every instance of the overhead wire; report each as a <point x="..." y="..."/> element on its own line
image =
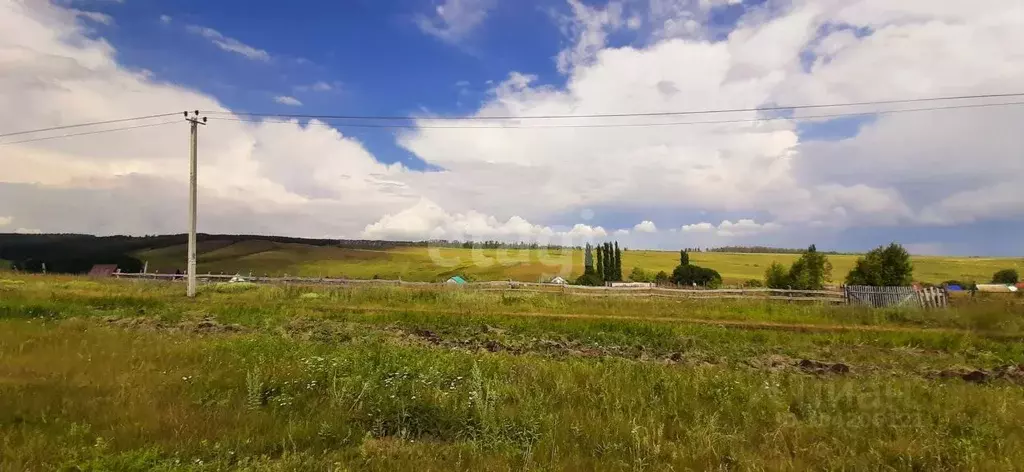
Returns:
<point x="623" y="115"/>
<point x="624" y="125"/>
<point x="124" y="128"/>
<point x="94" y="123"/>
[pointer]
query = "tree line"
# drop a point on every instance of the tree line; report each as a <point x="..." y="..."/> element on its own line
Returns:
<point x="606" y="266"/>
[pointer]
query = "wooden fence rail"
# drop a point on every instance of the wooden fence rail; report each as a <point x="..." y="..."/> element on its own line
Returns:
<point x="823" y="296"/>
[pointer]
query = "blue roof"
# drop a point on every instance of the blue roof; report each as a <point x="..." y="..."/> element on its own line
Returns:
<point x="457" y="279"/>
<point x="954" y="288"/>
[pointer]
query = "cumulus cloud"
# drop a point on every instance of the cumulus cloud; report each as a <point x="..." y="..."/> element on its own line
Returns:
<point x="897" y="169"/>
<point x="645" y="226"/>
<point x="727" y="228"/>
<point x="936" y="168"/>
<point x="427" y="221"/>
<point x="454" y="20"/>
<point x="229" y="44"/>
<point x="286" y="100"/>
<point x="262" y="178"/>
<point x="698" y="228"/>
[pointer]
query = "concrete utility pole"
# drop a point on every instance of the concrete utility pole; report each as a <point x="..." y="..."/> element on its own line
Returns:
<point x="193" y="142"/>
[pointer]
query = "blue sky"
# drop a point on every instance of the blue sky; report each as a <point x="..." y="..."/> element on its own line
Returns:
<point x="942" y="182"/>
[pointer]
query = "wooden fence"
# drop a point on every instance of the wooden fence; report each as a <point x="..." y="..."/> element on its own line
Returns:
<point x="877" y="297"/>
<point x="883" y="297"/>
<point x="821" y="296"/>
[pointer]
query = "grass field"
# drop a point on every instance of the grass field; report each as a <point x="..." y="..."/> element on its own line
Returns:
<point x="436" y="264"/>
<point x="118" y="375"/>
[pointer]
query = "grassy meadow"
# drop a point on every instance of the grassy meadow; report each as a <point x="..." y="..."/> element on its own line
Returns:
<point x="436" y="264"/>
<point x="130" y="375"/>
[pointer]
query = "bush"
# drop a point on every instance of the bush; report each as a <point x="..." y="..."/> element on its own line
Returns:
<point x="809" y="272"/>
<point x="640" y="275"/>
<point x="592" y="279"/>
<point x="776" y="276"/>
<point x="662" y="278"/>
<point x="1006" y="276"/>
<point x="753" y="283"/>
<point x="884" y="266"/>
<point x="691" y="274"/>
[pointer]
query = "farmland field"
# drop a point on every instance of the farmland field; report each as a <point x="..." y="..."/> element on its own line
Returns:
<point x="119" y="375"/>
<point x="436" y="264"/>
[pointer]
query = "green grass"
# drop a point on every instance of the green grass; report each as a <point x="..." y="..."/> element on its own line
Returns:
<point x="436" y="264"/>
<point x="115" y="375"/>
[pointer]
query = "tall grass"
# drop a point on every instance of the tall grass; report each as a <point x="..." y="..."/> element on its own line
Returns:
<point x="399" y="379"/>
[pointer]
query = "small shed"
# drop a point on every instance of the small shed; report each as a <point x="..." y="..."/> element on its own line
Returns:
<point x="456" y="280"/>
<point x="559" y="281"/>
<point x="102" y="270"/>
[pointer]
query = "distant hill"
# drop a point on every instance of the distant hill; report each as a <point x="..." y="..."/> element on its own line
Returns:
<point x="77" y="253"/>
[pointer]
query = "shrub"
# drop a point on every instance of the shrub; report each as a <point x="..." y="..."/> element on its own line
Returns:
<point x="691" y="274"/>
<point x="592" y="279"/>
<point x="662" y="278"/>
<point x="1006" y="276"/>
<point x="776" y="276"/>
<point x="753" y="283"/>
<point x="640" y="275"/>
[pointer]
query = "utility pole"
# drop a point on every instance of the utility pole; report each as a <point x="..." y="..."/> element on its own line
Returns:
<point x="193" y="144"/>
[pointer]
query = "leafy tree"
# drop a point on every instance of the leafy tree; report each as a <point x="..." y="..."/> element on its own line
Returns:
<point x="684" y="258"/>
<point x="662" y="278"/>
<point x="618" y="262"/>
<point x="1006" y="276"/>
<point x="883" y="266"/>
<point x="776" y="276"/>
<point x="810" y="271"/>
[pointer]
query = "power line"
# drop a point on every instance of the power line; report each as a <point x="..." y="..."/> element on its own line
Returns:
<point x="635" y="125"/>
<point x="55" y="128"/>
<point x="89" y="132"/>
<point x="623" y="115"/>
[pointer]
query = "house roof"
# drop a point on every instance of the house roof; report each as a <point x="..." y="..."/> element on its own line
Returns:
<point x="102" y="270"/>
<point x="457" y="279"/>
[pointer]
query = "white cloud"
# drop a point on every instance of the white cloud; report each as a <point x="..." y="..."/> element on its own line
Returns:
<point x="165" y="19"/>
<point x="645" y="226"/>
<point x="727" y="228"/>
<point x="5" y="220"/>
<point x="230" y="44"/>
<point x="621" y="232"/>
<point x="257" y="178"/>
<point x="698" y="228"/>
<point x="426" y="220"/>
<point x="318" y="86"/>
<point x="937" y="168"/>
<point x="27" y="231"/>
<point x="94" y="16"/>
<point x="454" y="20"/>
<point x="285" y="100"/>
